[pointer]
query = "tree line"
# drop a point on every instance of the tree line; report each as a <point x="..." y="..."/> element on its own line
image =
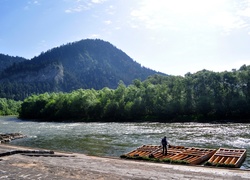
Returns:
<point x="202" y="96"/>
<point x="9" y="107"/>
<point x="84" y="64"/>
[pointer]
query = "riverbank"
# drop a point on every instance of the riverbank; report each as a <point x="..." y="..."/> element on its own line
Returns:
<point x="63" y="165"/>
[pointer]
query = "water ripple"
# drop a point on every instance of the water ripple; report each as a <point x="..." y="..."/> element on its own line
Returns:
<point x="114" y="139"/>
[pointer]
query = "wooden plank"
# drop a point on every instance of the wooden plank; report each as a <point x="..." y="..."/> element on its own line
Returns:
<point x="191" y="155"/>
<point x="230" y="157"/>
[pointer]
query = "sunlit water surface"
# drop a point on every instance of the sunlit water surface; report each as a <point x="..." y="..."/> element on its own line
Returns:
<point x="114" y="139"/>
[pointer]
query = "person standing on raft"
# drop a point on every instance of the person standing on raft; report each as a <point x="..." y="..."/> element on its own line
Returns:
<point x="164" y="144"/>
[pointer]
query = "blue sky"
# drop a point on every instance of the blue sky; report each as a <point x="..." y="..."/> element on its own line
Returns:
<point x="170" y="36"/>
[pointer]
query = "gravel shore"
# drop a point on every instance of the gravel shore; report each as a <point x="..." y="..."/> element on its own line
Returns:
<point x="79" y="166"/>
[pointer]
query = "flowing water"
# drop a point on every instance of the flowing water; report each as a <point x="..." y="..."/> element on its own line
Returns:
<point x="115" y="139"/>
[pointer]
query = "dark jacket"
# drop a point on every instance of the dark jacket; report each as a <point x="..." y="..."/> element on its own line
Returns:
<point x="164" y="142"/>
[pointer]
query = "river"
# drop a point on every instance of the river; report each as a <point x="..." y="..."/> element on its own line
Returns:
<point x="115" y="139"/>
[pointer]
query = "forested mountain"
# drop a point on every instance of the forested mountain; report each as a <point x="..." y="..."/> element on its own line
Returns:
<point x="203" y="96"/>
<point x="6" y="61"/>
<point x="83" y="64"/>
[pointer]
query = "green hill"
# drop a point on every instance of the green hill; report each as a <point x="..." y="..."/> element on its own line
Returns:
<point x="84" y="64"/>
<point x="6" y="61"/>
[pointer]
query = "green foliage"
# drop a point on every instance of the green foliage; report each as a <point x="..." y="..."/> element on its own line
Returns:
<point x="6" y="61"/>
<point x="207" y="163"/>
<point x="84" y="64"/>
<point x="168" y="160"/>
<point x="9" y="107"/>
<point x="203" y="96"/>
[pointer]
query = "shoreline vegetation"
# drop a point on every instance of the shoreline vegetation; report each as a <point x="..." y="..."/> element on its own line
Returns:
<point x="205" y="96"/>
<point x="9" y="107"/>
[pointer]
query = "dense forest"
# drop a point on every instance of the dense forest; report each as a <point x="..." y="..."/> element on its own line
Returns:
<point x="202" y="96"/>
<point x="6" y="61"/>
<point x="84" y="64"/>
<point x="9" y="107"/>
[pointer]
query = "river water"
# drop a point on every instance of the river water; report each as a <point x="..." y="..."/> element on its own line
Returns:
<point x="114" y="139"/>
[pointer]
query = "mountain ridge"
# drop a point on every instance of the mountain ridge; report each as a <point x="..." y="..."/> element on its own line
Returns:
<point x="82" y="64"/>
<point x="7" y="60"/>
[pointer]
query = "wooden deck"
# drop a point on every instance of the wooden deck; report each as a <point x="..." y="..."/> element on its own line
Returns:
<point x="228" y="157"/>
<point x="190" y="155"/>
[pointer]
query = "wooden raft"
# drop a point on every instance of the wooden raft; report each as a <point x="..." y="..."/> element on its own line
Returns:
<point x="228" y="157"/>
<point x="10" y="136"/>
<point x="190" y="155"/>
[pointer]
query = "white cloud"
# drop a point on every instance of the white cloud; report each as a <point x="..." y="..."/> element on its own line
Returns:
<point x="231" y="65"/>
<point x="30" y="4"/>
<point x="192" y="14"/>
<point x="107" y="22"/>
<point x="245" y="12"/>
<point x="97" y="1"/>
<point x="94" y="36"/>
<point x="78" y="8"/>
<point x="227" y="21"/>
<point x="83" y="5"/>
<point x="68" y="11"/>
<point x="110" y="10"/>
<point x="35" y="2"/>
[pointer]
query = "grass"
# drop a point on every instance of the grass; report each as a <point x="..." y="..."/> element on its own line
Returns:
<point x="219" y="164"/>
